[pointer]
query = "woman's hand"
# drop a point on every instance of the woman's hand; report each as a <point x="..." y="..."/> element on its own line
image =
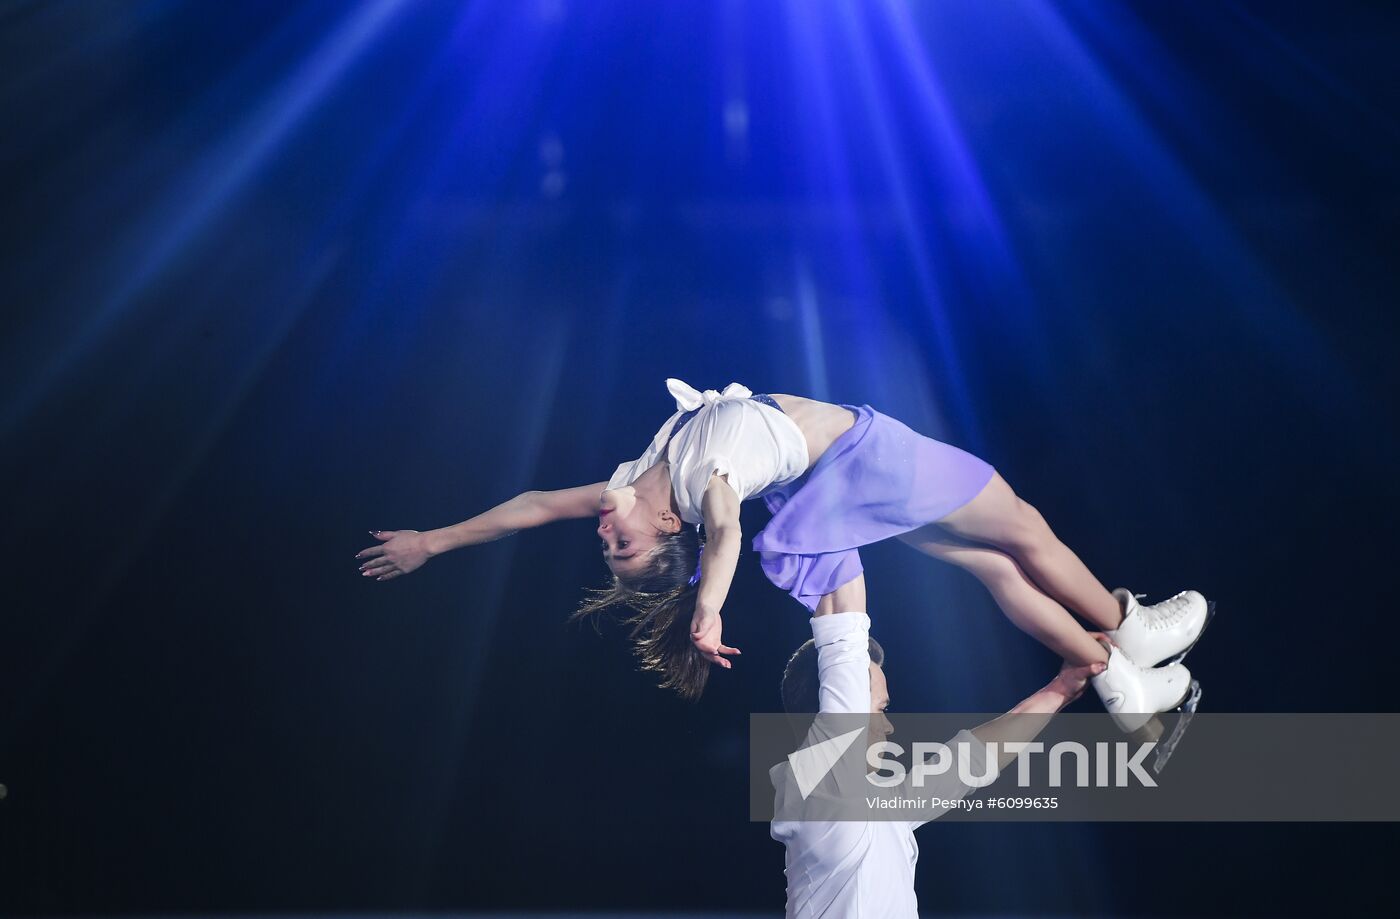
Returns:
<point x="705" y="627"/>
<point x="399" y="552"/>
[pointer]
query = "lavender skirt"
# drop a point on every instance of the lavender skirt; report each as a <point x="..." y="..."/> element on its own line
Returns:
<point x="877" y="480"/>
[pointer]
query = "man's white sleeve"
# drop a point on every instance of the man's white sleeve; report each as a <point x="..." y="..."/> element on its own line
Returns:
<point x="843" y="662"/>
<point x="843" y="670"/>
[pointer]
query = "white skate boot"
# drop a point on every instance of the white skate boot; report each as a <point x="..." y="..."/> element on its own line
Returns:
<point x="1135" y="696"/>
<point x="1163" y="631"/>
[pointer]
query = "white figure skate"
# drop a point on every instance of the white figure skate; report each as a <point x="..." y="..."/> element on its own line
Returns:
<point x="1164" y="631"/>
<point x="1136" y="695"/>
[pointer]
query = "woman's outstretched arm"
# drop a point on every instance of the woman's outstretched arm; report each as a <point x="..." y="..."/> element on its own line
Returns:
<point x="402" y="551"/>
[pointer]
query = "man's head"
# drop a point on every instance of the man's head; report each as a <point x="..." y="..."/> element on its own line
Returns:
<point x="801" y="686"/>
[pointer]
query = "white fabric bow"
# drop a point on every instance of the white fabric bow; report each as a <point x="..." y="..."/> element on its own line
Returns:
<point x="688" y="398"/>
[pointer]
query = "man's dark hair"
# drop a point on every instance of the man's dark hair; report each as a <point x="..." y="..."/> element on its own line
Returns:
<point x="800" y="678"/>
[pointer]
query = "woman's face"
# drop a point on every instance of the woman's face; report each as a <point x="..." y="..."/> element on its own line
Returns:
<point x="628" y="528"/>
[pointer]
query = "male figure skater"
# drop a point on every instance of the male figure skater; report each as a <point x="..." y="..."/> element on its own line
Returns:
<point x="841" y="869"/>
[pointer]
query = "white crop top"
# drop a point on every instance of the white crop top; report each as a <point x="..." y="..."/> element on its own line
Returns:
<point x="755" y="445"/>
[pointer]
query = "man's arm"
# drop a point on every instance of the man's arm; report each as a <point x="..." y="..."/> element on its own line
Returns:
<point x="842" y="641"/>
<point x="841" y="637"/>
<point x="1021" y="724"/>
<point x="843" y="661"/>
<point x="1025" y="721"/>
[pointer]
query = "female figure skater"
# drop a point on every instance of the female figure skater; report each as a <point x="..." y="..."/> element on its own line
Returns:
<point x="835" y="477"/>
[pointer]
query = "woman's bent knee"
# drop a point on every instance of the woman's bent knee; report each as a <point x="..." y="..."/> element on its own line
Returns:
<point x="1026" y="532"/>
<point x="995" y="569"/>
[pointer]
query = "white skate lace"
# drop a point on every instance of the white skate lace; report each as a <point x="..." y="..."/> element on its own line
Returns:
<point x="1166" y="614"/>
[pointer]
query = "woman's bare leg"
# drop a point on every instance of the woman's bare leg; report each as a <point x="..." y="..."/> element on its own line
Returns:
<point x="997" y="516"/>
<point x="1024" y="603"/>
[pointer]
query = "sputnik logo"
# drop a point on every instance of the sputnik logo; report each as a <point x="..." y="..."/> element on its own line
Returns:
<point x="811" y="764"/>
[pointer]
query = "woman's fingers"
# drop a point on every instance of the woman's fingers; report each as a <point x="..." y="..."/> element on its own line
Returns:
<point x="713" y="652"/>
<point x="375" y="560"/>
<point x="710" y="643"/>
<point x="716" y="659"/>
<point x="715" y="655"/>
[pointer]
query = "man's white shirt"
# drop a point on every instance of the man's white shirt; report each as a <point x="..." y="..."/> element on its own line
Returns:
<point x="849" y="869"/>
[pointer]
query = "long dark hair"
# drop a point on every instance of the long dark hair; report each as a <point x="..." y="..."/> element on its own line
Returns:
<point x="662" y="600"/>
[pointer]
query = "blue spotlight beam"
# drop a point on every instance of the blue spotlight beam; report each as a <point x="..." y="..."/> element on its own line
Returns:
<point x="206" y="190"/>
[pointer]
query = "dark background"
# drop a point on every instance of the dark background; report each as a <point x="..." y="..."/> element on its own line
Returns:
<point x="278" y="273"/>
